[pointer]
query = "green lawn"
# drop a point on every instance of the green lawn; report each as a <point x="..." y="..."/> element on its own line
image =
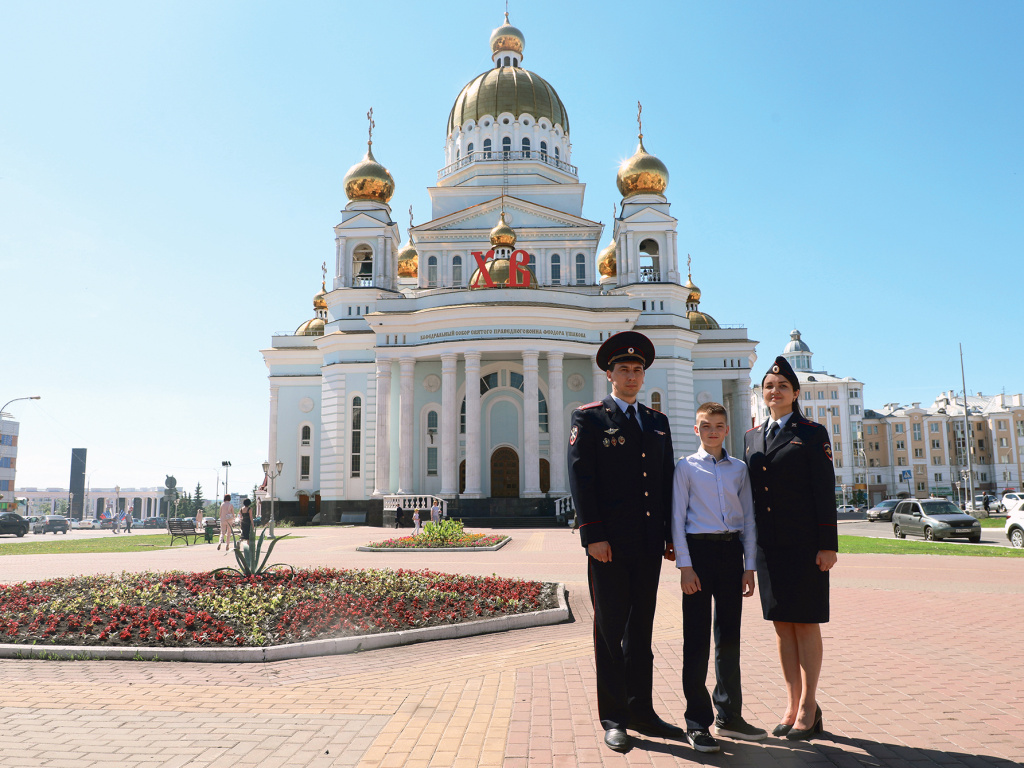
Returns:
<point x="993" y="522"/>
<point x="106" y="542"/>
<point x="864" y="545"/>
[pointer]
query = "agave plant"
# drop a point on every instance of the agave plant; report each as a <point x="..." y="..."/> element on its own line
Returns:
<point x="250" y="557"/>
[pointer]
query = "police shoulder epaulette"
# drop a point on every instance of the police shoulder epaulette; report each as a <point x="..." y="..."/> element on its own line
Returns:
<point x="754" y="429"/>
<point x="652" y="410"/>
<point x="590" y="405"/>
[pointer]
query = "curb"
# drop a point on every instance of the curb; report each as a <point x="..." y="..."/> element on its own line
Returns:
<point x="495" y="548"/>
<point x="330" y="647"/>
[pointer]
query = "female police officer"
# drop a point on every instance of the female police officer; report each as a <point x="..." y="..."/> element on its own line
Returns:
<point x="790" y="463"/>
<point x="620" y="471"/>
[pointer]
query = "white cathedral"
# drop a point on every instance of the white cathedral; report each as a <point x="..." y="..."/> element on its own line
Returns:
<point x="450" y="366"/>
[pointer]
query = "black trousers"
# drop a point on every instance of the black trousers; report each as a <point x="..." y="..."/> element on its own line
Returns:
<point x="624" y="593"/>
<point x="719" y="566"/>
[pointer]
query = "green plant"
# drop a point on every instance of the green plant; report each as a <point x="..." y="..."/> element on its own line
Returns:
<point x="250" y="558"/>
<point x="445" y="532"/>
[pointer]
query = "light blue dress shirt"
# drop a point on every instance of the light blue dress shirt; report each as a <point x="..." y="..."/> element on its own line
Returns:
<point x="710" y="496"/>
<point x="623" y="405"/>
<point x="782" y="423"/>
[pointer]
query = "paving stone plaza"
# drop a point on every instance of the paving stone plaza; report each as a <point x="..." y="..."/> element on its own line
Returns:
<point x="923" y="661"/>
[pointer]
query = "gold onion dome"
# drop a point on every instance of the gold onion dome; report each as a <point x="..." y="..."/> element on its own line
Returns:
<point x="320" y="300"/>
<point x="500" y="271"/>
<point x="503" y="236"/>
<point x="701" y="321"/>
<point x="408" y="261"/>
<point x="507" y="38"/>
<point x="606" y="261"/>
<point x="642" y="174"/>
<point x="369" y="180"/>
<point x="694" y="295"/>
<point x="508" y="89"/>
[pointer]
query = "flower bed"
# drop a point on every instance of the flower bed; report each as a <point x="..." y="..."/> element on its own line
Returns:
<point x="200" y="610"/>
<point x="424" y="541"/>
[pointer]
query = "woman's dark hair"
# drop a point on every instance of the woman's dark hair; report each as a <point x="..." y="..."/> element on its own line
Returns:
<point x="227" y="497"/>
<point x="246" y="502"/>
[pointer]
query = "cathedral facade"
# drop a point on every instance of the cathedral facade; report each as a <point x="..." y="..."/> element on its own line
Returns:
<point x="450" y="365"/>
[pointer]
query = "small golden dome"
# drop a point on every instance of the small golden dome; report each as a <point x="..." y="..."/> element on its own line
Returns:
<point x="369" y="180"/>
<point x="642" y="174"/>
<point x="606" y="261"/>
<point x="503" y="236"/>
<point x="500" y="271"/>
<point x="408" y="261"/>
<point x="507" y="38"/>
<point x="701" y="321"/>
<point x="694" y="295"/>
<point x="320" y="300"/>
<point x="312" y="327"/>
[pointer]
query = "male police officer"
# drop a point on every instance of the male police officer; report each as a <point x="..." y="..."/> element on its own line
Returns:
<point x="620" y="471"/>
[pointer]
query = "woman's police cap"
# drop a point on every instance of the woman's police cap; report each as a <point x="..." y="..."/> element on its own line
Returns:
<point x="625" y="347"/>
<point x="782" y="368"/>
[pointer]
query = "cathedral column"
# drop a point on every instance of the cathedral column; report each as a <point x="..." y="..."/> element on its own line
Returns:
<point x="633" y="265"/>
<point x="341" y="279"/>
<point x="272" y="448"/>
<point x="379" y="264"/>
<point x="531" y="425"/>
<point x="407" y="366"/>
<point x="741" y="416"/>
<point x="473" y="486"/>
<point x="333" y="417"/>
<point x="600" y="383"/>
<point x="673" y="261"/>
<point x="556" y="423"/>
<point x="449" y="425"/>
<point x="381" y="437"/>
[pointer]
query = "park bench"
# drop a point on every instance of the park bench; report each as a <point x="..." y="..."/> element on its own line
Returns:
<point x="182" y="528"/>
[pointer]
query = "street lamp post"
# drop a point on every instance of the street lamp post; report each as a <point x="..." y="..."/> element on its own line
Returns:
<point x="227" y="467"/>
<point x="273" y="476"/>
<point x="2" y="448"/>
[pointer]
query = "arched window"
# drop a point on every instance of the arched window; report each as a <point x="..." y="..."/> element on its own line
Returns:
<point x="532" y="263"/>
<point x="306" y="434"/>
<point x="581" y="269"/>
<point x="469" y="151"/>
<point x="362" y="265"/>
<point x="542" y="410"/>
<point x="462" y="418"/>
<point x="526" y="147"/>
<point x="357" y="432"/>
<point x="656" y="400"/>
<point x="506" y="146"/>
<point x="432" y="272"/>
<point x="458" y="155"/>
<point x="650" y="267"/>
<point x="556" y="269"/>
<point x="457" y="271"/>
<point x="515" y="62"/>
<point x="543" y="150"/>
<point x="556" y="153"/>
<point x="432" y="443"/>
<point x="487" y="149"/>
<point x="508" y="60"/>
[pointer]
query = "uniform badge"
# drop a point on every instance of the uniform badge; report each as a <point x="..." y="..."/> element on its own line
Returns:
<point x="611" y="431"/>
<point x="828" y="451"/>
<point x="658" y="432"/>
<point x="573" y="434"/>
<point x="622" y="440"/>
<point x="775" y="368"/>
<point x="607" y="442"/>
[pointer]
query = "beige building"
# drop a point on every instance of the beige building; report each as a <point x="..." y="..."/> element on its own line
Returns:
<point x="929" y="443"/>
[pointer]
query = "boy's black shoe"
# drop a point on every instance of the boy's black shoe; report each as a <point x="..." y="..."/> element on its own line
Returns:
<point x="738" y="728"/>
<point x="702" y="741"/>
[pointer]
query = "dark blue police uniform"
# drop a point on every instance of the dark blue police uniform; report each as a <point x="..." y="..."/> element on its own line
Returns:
<point x="793" y="484"/>
<point x="621" y="481"/>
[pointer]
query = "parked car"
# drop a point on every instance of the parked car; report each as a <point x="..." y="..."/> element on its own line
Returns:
<point x="51" y="524"/>
<point x="85" y="525"/>
<point x="993" y="503"/>
<point x="106" y="524"/>
<point x="154" y="522"/>
<point x="1014" y="527"/>
<point x="846" y="508"/>
<point x="13" y="524"/>
<point x="1012" y="500"/>
<point x="882" y="510"/>
<point x="935" y="519"/>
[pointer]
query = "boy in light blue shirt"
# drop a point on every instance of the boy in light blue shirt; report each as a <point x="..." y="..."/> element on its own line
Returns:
<point x="715" y="543"/>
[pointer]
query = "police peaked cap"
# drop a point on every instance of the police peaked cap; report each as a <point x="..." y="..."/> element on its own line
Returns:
<point x="782" y="367"/>
<point x="625" y="347"/>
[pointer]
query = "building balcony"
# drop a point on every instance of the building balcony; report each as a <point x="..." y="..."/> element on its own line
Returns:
<point x="498" y="156"/>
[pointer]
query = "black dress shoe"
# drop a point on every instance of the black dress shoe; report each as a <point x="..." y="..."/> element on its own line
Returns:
<point x="618" y="739"/>
<point x="655" y="726"/>
<point x="782" y="729"/>
<point x="803" y="734"/>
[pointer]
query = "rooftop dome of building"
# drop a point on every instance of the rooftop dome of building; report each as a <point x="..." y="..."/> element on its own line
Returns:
<point x="369" y="180"/>
<point x="607" y="265"/>
<point x="699" y="321"/>
<point x="795" y="344"/>
<point x="315" y="325"/>
<point x="503" y="236"/>
<point x="500" y="270"/>
<point x="507" y="38"/>
<point x="641" y="174"/>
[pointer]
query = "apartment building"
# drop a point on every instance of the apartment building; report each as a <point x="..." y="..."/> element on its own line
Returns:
<point x="8" y="461"/>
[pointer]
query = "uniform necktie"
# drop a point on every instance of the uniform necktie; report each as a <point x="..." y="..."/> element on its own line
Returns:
<point x="634" y="422"/>
<point x="773" y="431"/>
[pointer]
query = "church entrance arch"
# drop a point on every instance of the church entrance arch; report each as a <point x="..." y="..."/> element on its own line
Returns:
<point x="505" y="473"/>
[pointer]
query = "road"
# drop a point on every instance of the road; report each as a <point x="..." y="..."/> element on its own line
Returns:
<point x="883" y="530"/>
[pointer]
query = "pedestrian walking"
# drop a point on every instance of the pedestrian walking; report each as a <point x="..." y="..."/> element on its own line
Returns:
<point x="435" y="512"/>
<point x="620" y="464"/>
<point x="227" y="518"/>
<point x="416" y="522"/>
<point x="245" y="518"/>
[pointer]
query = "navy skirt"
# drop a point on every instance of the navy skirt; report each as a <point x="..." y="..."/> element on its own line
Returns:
<point x="791" y="585"/>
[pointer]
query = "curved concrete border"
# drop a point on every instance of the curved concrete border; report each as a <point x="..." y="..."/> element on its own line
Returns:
<point x="331" y="647"/>
<point x="495" y="548"/>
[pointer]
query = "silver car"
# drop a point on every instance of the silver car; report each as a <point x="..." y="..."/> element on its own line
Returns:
<point x="882" y="510"/>
<point x="935" y="519"/>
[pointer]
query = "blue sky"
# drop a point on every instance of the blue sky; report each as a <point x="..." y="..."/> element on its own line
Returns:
<point x="170" y="174"/>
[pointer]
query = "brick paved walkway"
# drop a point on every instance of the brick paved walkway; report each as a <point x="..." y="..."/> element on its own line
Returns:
<point x="922" y="667"/>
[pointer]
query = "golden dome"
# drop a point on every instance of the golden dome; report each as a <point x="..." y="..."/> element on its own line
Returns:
<point x="606" y="261"/>
<point x="694" y="295"/>
<point x="507" y="38"/>
<point x="642" y="174"/>
<point x="701" y="321"/>
<point x="408" y="261"/>
<point x="503" y="236"/>
<point x="499" y="270"/>
<point x="313" y="327"/>
<point x="508" y="89"/>
<point x="369" y="180"/>
<point x="320" y="300"/>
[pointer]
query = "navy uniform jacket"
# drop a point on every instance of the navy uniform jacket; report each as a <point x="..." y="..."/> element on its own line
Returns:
<point x="794" y="485"/>
<point x="621" y="486"/>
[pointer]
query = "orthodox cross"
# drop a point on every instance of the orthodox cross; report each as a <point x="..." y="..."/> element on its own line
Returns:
<point x="369" y="116"/>
<point x="410" y="217"/>
<point x="689" y="272"/>
<point x="323" y="268"/>
<point x="639" y="124"/>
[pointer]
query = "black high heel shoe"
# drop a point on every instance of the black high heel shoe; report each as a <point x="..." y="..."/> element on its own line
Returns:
<point x="803" y="734"/>
<point x="781" y="729"/>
